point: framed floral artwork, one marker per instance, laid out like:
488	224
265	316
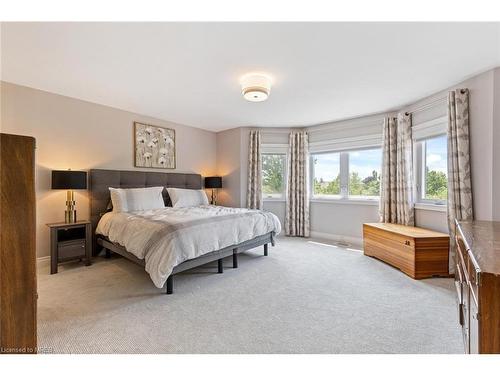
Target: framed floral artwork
154	146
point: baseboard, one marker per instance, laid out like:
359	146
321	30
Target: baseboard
42	260
355	242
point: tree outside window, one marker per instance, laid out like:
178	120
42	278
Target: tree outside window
364	176
435	174
347	174
326	169
273	175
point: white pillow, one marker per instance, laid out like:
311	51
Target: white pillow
187	197
137	199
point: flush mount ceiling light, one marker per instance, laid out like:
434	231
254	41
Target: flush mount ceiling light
255	87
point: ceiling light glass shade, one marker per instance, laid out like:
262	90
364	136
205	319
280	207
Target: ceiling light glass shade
255	87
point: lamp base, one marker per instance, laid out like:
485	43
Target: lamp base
70	216
213	201
70	213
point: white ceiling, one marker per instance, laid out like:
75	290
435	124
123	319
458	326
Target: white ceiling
189	72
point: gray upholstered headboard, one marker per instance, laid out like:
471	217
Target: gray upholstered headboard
101	179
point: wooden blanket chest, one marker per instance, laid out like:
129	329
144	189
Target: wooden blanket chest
418	252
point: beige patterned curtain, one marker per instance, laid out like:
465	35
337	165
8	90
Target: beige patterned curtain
297	195
396	190
254	189
459	171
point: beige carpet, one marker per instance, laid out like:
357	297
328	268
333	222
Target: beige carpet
305	297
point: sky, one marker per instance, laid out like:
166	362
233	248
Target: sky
326	166
364	162
436	151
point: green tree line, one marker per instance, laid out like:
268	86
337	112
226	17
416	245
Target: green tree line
273	181
368	186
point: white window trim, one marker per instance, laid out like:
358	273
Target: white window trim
352	201
274	200
431	207
322	198
276	149
344	196
419	172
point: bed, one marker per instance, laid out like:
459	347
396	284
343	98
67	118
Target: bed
172	240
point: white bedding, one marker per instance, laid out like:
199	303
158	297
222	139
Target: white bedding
169	236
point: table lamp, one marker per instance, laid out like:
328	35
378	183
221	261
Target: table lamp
69	180
213	183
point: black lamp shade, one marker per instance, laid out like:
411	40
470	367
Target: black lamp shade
69	180
213	182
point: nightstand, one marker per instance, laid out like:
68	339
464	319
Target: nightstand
70	241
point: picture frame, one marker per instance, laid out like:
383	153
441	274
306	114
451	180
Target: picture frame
154	146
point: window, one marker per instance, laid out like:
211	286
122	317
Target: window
273	175
432	174
364	173
326	175
349	174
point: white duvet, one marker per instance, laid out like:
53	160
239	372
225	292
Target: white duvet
169	236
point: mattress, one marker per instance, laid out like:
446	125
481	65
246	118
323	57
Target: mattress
166	237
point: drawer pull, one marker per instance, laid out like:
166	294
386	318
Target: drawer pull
407	243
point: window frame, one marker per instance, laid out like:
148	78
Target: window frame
311	177
344	166
281	196
361	197
419	162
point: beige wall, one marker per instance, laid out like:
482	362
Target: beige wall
74	134
229	167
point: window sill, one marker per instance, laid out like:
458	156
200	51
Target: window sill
359	202
362	202
430	207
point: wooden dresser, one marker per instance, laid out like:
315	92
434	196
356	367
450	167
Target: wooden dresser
17	245
418	252
477	279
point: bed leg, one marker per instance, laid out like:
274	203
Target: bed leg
170	284
220	266
108	253
266	252
235	259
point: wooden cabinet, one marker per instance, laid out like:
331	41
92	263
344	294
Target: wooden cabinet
477	263
17	245
418	252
